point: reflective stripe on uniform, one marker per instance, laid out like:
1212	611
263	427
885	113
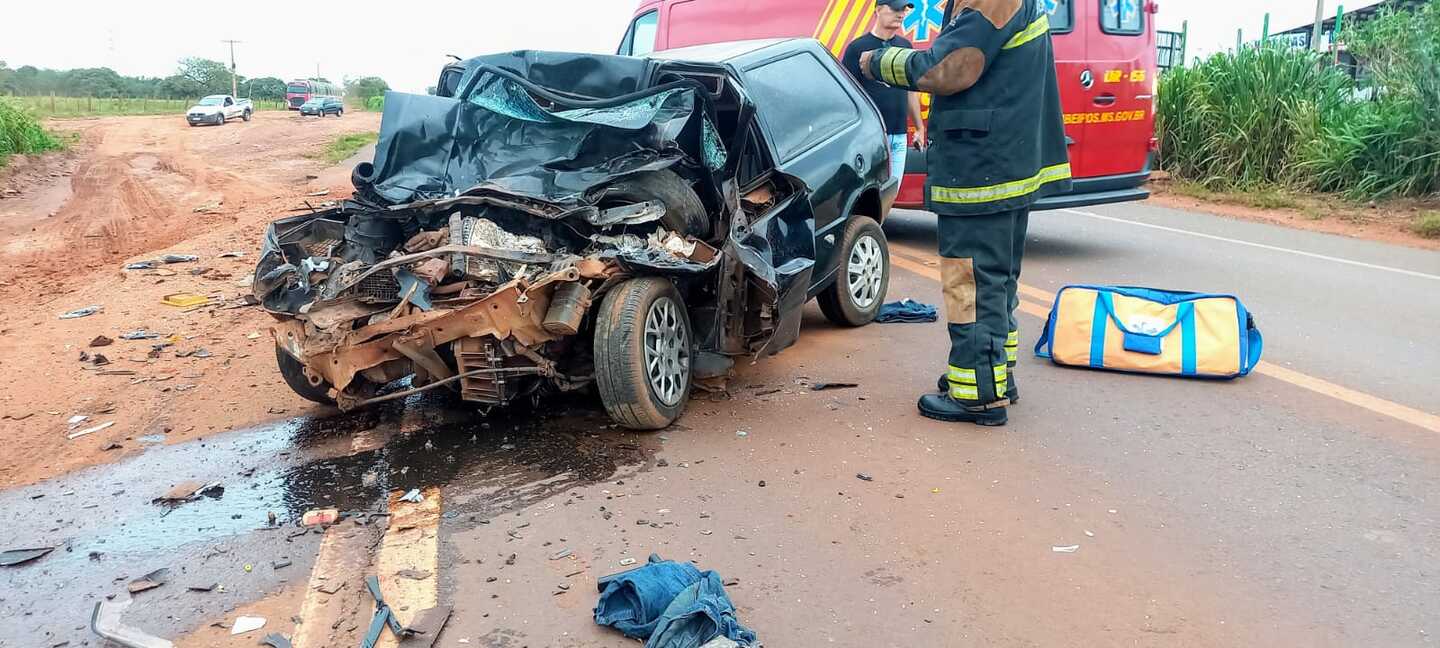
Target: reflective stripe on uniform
962	376
1002	191
1032	32
964	392
892	66
1002	372
1012	347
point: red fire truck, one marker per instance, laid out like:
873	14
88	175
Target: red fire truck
1104	51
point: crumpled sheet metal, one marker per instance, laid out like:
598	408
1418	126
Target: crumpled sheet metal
502	315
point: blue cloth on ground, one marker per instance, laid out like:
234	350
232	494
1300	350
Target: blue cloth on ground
670	604
906	311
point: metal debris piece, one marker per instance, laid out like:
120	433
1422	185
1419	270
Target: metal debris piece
822	386
179	258
202	588
13	557
413	496
102	426
106	622
1066	549
141	265
864	477
188	490
280	564
426	627
563	554
246	624
276	640
139	334
149	581
81	312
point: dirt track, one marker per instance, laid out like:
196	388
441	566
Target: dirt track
135	187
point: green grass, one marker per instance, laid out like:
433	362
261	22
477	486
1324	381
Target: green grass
345	146
21	133
1269	199
1257	198
69	107
1427	224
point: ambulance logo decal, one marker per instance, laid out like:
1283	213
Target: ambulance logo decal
927	14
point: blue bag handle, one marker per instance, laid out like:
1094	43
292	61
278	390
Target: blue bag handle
1180	314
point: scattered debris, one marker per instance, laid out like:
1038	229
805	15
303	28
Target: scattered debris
319	517
742	433
101	341
102	426
383	616
864	477
276	640
234	254
141	265
184	300
1066	549
149	581
112	446
179	258
823	386
246	624
626	562
81	312
1089	534
413	574
426	627
280	564
563	554
413	496
139	334
106	622
203	588
13	557
189	490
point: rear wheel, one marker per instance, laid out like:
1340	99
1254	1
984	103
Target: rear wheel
864	277
309	386
643	353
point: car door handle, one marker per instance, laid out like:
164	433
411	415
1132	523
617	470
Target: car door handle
1105	100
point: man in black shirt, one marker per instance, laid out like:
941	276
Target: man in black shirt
893	102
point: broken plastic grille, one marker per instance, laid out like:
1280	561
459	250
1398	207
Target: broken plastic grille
380	286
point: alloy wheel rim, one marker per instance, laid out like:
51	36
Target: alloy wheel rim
667	351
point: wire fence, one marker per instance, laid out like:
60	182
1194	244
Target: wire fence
56	106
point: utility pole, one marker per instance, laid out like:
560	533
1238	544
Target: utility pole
234	84
1319	19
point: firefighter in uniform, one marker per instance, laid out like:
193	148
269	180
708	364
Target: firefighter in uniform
997	144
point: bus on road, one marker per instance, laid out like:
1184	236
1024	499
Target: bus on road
302	90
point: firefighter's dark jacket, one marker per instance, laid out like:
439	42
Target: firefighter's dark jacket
998	132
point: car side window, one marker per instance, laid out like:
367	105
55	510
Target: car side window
229	101
640	38
1121	17
801	102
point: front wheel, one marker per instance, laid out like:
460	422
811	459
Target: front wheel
864	277
245	116
643	352
221	121
307	385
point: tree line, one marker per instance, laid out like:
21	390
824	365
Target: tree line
194	77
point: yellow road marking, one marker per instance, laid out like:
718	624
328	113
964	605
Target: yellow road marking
412	542
341	566
1418	418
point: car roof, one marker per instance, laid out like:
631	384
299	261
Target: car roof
723	52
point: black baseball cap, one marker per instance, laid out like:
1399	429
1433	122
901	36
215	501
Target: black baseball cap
897	5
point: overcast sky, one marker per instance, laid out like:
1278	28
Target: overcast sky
406	43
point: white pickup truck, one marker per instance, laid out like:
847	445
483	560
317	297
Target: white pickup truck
215	109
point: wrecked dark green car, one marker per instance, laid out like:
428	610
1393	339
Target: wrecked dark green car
565	221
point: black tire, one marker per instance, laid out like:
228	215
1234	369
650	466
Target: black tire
839	302
294	374
684	212
626	388
246	116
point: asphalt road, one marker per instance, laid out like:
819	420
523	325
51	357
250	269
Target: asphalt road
1295	507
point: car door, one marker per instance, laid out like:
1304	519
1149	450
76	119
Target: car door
811	122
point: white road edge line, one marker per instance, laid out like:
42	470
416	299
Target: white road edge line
1262	246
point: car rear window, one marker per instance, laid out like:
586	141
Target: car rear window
640	39
800	101
1121	17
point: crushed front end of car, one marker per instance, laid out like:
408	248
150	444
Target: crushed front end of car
519	239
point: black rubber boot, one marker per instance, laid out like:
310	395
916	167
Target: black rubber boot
943	408
1011	391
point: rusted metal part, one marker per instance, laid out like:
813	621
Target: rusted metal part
347	404
567	309
532	258
514	311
